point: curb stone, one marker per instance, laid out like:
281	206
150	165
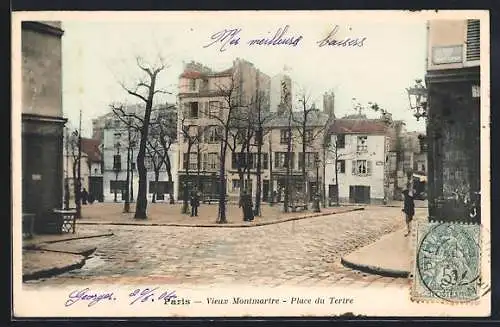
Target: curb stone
54	271
386	272
36	246
221	225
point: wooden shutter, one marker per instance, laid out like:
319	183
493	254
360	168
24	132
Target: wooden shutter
368	167
473	46
353	168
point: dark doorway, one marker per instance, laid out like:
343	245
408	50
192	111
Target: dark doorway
359	194
265	190
96	188
333	193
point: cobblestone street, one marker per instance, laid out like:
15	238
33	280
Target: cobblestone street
304	252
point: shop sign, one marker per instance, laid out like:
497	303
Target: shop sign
447	55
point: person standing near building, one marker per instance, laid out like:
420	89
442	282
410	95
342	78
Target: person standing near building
195	203
408	206
85	196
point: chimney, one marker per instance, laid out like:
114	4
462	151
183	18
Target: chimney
329	104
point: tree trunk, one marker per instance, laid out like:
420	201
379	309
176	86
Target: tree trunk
198	161
75	184
304	176
186	170
142	201
288	164
222	187
258	191
168	168
157	178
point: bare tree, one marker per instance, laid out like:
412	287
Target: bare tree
288	158
156	156
261	117
73	144
145	90
192	135
228	120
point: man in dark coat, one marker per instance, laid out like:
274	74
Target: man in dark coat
195	203
408	206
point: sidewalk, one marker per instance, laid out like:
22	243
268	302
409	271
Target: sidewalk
390	256
49	255
164	214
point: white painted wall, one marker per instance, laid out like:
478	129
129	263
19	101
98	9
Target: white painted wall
375	154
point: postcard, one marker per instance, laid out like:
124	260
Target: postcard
251	164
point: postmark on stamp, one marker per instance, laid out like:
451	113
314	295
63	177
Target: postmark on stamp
447	262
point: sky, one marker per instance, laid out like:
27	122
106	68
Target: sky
99	54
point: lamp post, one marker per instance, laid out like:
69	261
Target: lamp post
317	161
417	95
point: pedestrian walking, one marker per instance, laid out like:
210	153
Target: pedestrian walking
85	196
408	206
195	203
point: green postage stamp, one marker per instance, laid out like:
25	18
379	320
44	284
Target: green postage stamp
447	262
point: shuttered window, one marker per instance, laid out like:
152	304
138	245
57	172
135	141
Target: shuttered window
473	45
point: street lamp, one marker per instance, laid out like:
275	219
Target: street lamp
417	95
317	161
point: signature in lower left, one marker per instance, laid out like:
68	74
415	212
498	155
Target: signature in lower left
87	295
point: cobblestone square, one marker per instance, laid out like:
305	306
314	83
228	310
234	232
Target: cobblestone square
294	253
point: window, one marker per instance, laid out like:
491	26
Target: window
362	144
213	109
284	136
192	84
117	186
210	161
265	161
193	161
117	162
204	85
280	160
161	187
236	184
310	160
240	136
309	135
247	185
193	110
341	166
341	141
213	134
361	167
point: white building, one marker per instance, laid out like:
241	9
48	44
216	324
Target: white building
359	147
115	146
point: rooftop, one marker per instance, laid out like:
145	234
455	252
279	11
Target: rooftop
91	148
358	126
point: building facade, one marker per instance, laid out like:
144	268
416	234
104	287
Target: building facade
453	117
115	147
90	168
358	148
201	97
42	120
